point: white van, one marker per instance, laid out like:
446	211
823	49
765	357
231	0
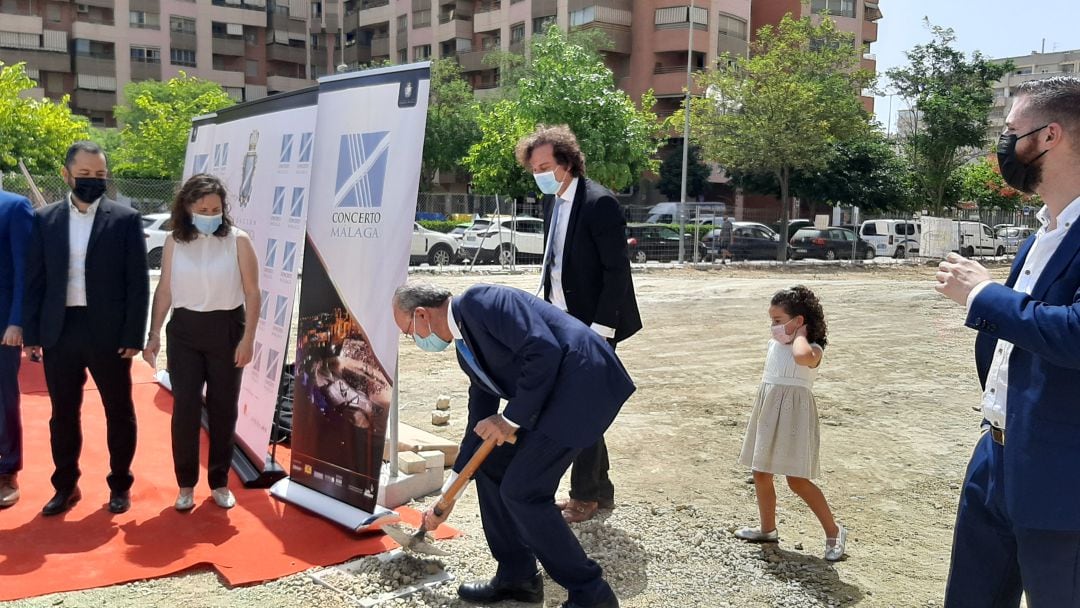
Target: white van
976	239
891	238
702	213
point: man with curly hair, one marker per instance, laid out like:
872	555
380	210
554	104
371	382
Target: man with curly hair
586	273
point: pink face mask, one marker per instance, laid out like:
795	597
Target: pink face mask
779	333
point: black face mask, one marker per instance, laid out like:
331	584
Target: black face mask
1025	177
88	189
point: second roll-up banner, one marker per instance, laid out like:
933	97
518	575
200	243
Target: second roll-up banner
343	162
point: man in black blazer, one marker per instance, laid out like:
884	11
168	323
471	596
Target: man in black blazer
87	297
586	273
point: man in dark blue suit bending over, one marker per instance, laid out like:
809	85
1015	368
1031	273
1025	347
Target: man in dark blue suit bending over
545	364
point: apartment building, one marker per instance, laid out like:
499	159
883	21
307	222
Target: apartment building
858	17
1035	66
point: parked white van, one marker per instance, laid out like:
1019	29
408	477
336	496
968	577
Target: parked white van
977	239
702	213
891	238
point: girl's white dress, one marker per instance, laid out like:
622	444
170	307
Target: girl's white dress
783	437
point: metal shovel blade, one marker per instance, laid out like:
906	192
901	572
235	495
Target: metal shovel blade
413	542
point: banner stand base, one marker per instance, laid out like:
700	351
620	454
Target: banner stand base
250	474
346	515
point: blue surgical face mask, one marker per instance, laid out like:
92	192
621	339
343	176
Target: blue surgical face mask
206	224
547	182
431	343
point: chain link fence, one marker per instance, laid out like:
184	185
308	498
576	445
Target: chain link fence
143	195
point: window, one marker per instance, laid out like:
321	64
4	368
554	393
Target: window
402	22
316	10
517	33
541	23
1068	68
583	16
142	19
181	25
403	56
182	57
835	8
421	18
251	68
729	25
869	229
93	48
314	41
140	54
490	43
421	52
52	12
678	15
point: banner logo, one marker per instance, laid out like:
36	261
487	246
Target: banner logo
288	263
264	304
271	253
306	139
298	197
361	169
286	149
281	313
201	162
279	201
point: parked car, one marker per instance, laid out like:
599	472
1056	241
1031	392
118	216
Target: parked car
1012	236
433	247
659	243
505	240
829	244
703	213
794	226
156	226
892	238
750	241
459	231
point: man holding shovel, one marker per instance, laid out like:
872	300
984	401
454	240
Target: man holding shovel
545	364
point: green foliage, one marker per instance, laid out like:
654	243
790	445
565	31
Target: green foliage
451	121
565	83
442	226
697	174
35	131
157	121
952	97
785	107
981	183
108	139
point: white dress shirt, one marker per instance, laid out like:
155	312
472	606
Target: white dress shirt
995	396
80	225
205	273
557	245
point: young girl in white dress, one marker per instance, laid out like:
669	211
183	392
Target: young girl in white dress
782	437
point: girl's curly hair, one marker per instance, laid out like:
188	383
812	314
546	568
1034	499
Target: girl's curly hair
799	300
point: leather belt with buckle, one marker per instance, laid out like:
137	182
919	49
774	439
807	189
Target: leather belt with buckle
998	435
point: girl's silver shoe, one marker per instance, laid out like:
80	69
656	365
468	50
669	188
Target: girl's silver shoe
835	551
755	535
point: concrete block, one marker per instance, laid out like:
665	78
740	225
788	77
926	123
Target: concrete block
399	490
442	403
411	462
435	459
440	418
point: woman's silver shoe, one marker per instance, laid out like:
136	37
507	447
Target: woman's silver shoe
223	497
835	551
755	535
185	500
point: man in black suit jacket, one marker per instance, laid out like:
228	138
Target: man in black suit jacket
514	346
87	297
586	272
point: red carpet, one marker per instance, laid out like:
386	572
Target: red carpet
259	539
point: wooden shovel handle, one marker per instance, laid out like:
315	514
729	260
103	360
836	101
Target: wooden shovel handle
446	501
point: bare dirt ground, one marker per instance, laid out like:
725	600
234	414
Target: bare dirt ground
895	394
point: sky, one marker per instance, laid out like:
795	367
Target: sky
997	28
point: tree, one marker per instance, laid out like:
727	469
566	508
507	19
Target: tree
951	97
35	131
783	109
697	174
451	121
981	183
156	123
565	83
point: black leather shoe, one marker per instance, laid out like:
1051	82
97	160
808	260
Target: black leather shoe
611	602
119	502
61	502
530	591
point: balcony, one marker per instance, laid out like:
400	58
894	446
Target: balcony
22	24
145	71
869	31
380	46
147	6
873	11
285	83
102	101
667	39
488	17
619	35
730	44
97	66
458	28
374	11
40	59
472	61
99	3
181	40
286	53
670	81
228	46
93	31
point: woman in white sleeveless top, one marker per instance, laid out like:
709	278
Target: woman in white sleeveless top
210	280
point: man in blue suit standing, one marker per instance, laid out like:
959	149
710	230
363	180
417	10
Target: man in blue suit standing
16	223
1018	523
545	364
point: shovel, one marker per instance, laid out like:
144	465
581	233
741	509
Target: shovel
418	542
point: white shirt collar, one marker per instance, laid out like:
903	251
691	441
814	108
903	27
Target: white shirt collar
1065	219
454	329
571	191
91	210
